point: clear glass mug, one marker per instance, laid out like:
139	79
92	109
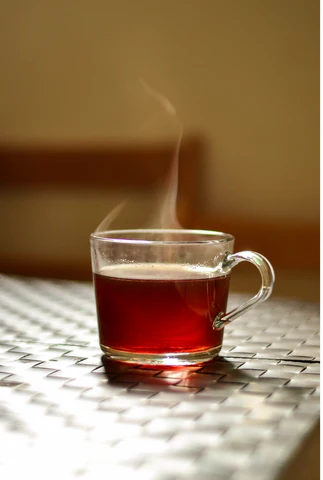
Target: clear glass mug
161	295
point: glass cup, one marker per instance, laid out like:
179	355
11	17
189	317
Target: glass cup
161	295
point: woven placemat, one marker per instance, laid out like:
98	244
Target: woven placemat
67	411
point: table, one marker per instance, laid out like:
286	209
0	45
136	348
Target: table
66	412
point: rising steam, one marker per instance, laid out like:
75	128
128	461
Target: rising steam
167	218
109	219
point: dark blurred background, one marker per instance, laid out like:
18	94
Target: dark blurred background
79	133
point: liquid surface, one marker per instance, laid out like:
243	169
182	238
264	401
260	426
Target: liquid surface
154	308
159	271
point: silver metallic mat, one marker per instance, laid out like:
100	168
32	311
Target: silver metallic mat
66	412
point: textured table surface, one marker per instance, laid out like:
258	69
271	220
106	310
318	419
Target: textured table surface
66	412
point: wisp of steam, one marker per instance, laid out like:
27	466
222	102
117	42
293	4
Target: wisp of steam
167	217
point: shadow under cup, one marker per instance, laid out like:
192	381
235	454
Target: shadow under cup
161	295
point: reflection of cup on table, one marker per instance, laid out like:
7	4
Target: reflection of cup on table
161	295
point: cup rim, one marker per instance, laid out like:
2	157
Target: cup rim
225	237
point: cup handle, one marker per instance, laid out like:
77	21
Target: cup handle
267	276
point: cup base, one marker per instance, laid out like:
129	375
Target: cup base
167	359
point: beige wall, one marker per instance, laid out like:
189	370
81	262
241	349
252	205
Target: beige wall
245	73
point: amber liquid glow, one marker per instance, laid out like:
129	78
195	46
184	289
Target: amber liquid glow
151	308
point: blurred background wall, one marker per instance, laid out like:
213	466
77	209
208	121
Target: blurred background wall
242	74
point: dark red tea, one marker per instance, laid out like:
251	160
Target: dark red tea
159	308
